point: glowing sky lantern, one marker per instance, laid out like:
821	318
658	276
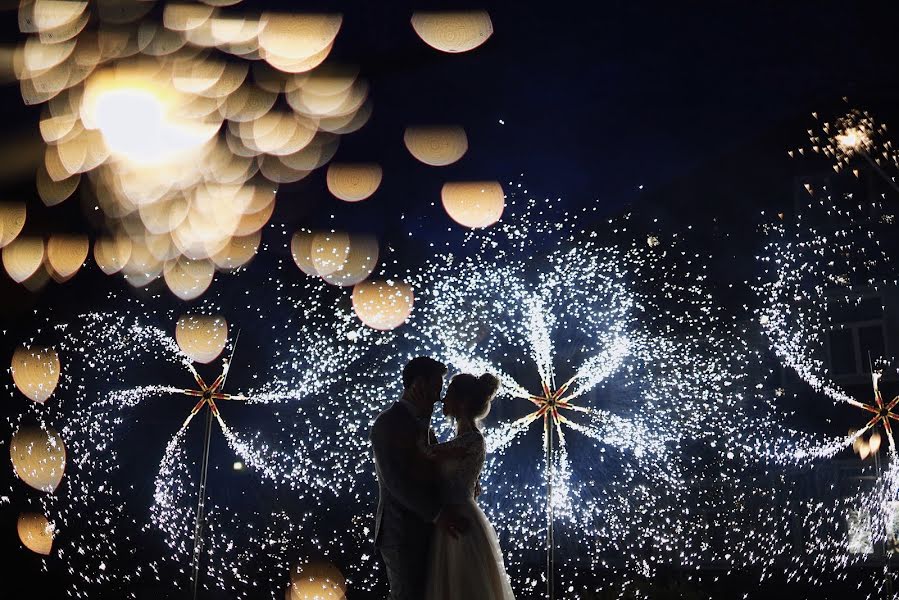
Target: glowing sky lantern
35	371
353	182
453	31
38	457
36	532
436	146
12	220
66	254
383	305
474	204
202	337
23	257
316	581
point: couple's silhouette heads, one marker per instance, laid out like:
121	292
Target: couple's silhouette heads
467	395
470	396
424	376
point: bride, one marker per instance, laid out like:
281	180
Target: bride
469	566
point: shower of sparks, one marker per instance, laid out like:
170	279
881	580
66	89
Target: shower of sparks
619	348
854	139
129	484
826	270
830	268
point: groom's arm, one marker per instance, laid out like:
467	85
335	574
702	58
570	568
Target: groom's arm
395	453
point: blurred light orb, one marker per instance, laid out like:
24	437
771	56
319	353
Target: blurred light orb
53	191
239	251
316	581
874	442
354	182
474	204
339	258
383	305
852	139
201	337
38	457
186	16
864	450
112	254
142	266
301	250
188	279
66	255
36	533
23	257
35	371
330	252
12	220
453	32
296	37
359	263
136	117
41	15
436	146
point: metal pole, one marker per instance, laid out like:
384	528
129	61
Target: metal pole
884	551
201	508
550	516
200	524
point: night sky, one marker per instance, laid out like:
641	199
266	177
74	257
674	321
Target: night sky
588	104
601	105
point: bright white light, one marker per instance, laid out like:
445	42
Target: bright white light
135	125
238	465
851	139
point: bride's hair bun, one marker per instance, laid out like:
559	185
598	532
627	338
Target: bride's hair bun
476	392
489	385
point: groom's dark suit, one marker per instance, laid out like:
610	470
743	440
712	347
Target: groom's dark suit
409	502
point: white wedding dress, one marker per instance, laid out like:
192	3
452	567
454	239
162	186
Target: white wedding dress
469	567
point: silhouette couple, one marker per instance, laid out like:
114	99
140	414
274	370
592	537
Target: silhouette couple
434	539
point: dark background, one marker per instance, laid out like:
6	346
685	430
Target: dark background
678	110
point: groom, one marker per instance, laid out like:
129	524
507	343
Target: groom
409	507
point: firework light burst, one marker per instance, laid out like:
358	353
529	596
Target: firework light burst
126	512
825	272
612	353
